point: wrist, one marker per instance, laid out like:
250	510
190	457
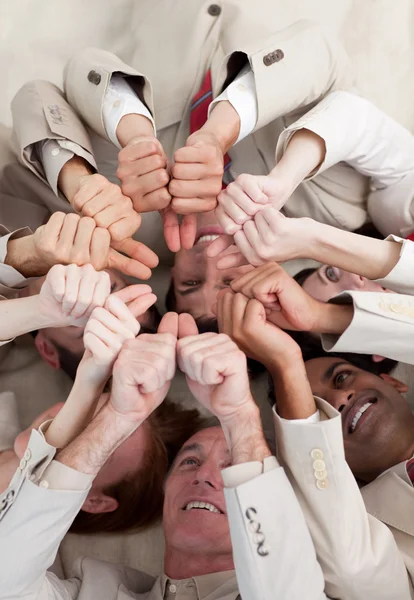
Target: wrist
224	124
71	175
333	318
22	256
244	435
293	394
133	126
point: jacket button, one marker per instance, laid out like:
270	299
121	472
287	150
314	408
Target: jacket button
279	54
317	454
321	474
214	10
322	485
319	465
94	77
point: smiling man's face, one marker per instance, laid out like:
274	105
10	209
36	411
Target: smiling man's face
377	424
194	517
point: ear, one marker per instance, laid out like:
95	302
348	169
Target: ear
399	385
47	350
98	503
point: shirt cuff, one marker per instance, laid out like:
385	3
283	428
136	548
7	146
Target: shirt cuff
315	418
55	154
58	476
239	474
120	100
401	277
241	94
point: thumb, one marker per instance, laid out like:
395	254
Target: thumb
169	324
186	326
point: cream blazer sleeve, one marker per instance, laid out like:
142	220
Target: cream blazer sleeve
273	552
382	324
10	279
40	112
287	75
33	522
358	554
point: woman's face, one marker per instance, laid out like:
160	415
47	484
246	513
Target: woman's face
327	282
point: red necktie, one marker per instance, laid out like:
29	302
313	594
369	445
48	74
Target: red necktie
410	469
199	111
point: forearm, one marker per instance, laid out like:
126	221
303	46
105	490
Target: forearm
224	124
92	448
133	126
76	413
355	253
304	153
22	256
293	394
71	174
21	315
245	437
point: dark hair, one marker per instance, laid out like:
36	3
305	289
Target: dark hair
170	299
69	361
140	496
312	348
302	276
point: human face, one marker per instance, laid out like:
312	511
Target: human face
327	282
197	280
196	477
377	424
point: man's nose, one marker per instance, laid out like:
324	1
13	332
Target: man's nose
209	474
355	282
341	398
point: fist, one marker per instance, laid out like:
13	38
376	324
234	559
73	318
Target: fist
197	174
216	373
70	294
107	205
142	171
144	370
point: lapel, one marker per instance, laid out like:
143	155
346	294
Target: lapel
391	500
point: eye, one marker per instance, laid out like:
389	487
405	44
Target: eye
340	378
191	283
331	274
227	282
189	462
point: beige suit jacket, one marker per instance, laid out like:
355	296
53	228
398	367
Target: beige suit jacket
272	549
286	88
359	555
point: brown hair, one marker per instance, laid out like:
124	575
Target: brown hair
140	497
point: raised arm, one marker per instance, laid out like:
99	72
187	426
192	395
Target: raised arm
59	303
270	538
49	493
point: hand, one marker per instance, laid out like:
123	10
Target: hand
106	204
144	370
269	236
67	239
216	371
109	327
197	174
70	294
143	173
287	305
245	322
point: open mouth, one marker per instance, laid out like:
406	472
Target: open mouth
208	234
203	506
358	415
